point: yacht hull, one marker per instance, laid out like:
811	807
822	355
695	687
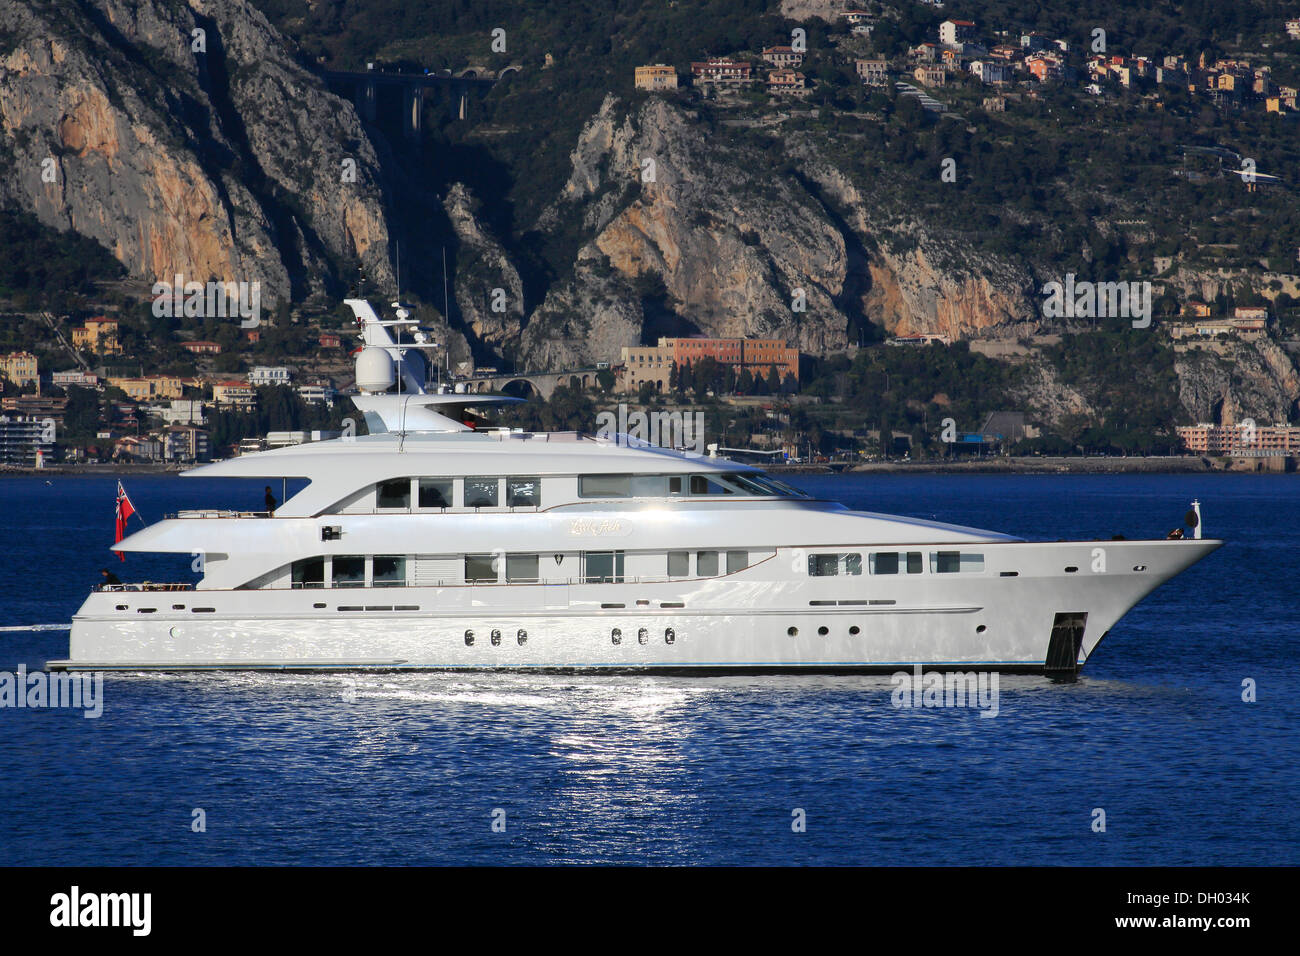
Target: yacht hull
1038	607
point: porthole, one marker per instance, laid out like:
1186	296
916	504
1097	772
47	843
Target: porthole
178	607
496	638
174	631
670	636
469	638
792	631
643	636
522	637
119	607
823	630
855	629
616	636
981	629
1139	567
1071	569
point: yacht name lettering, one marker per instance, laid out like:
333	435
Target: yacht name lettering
597	527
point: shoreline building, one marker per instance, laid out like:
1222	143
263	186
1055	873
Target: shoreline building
654	363
1241	440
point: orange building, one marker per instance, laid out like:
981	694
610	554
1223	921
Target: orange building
1240	439
758	355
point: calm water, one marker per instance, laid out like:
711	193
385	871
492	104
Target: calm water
674	770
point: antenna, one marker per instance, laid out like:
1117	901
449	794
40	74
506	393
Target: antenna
446	302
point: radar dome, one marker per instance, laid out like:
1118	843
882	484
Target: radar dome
374	370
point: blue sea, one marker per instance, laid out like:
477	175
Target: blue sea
416	769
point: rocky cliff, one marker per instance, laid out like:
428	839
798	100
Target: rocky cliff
185	138
738	253
1239	380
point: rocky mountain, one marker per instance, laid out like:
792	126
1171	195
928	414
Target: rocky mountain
1226	384
185	138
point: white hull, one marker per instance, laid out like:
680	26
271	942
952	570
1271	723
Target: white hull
739	621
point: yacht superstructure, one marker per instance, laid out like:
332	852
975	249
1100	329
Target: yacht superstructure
432	544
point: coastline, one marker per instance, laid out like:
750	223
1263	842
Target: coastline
1030	465
1043	465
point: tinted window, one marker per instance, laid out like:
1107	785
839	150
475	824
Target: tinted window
394	494
521	567
737	561
435	492
604	486
389	570
523	492
884	562
482	492
679	564
823	565
309	573
945	562
349	571
706	563
914	565
480	568
603	566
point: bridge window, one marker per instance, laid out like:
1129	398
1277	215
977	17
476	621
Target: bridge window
884	562
523	492
894	562
603	567
394	494
708	485
823	565
706	563
521	567
389	571
679	564
349	571
951	562
737	561
480	569
309	573
435	492
605	486
482	492
830	565
700	485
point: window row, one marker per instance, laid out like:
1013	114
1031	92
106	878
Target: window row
475	492
487	491
595	567
894	562
672	486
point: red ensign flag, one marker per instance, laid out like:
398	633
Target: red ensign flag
124	511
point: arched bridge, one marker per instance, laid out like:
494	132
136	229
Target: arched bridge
543	383
365	89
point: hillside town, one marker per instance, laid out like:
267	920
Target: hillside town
1001	59
152	417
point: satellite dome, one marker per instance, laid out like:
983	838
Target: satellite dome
375	370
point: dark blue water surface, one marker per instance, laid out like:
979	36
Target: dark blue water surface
596	769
